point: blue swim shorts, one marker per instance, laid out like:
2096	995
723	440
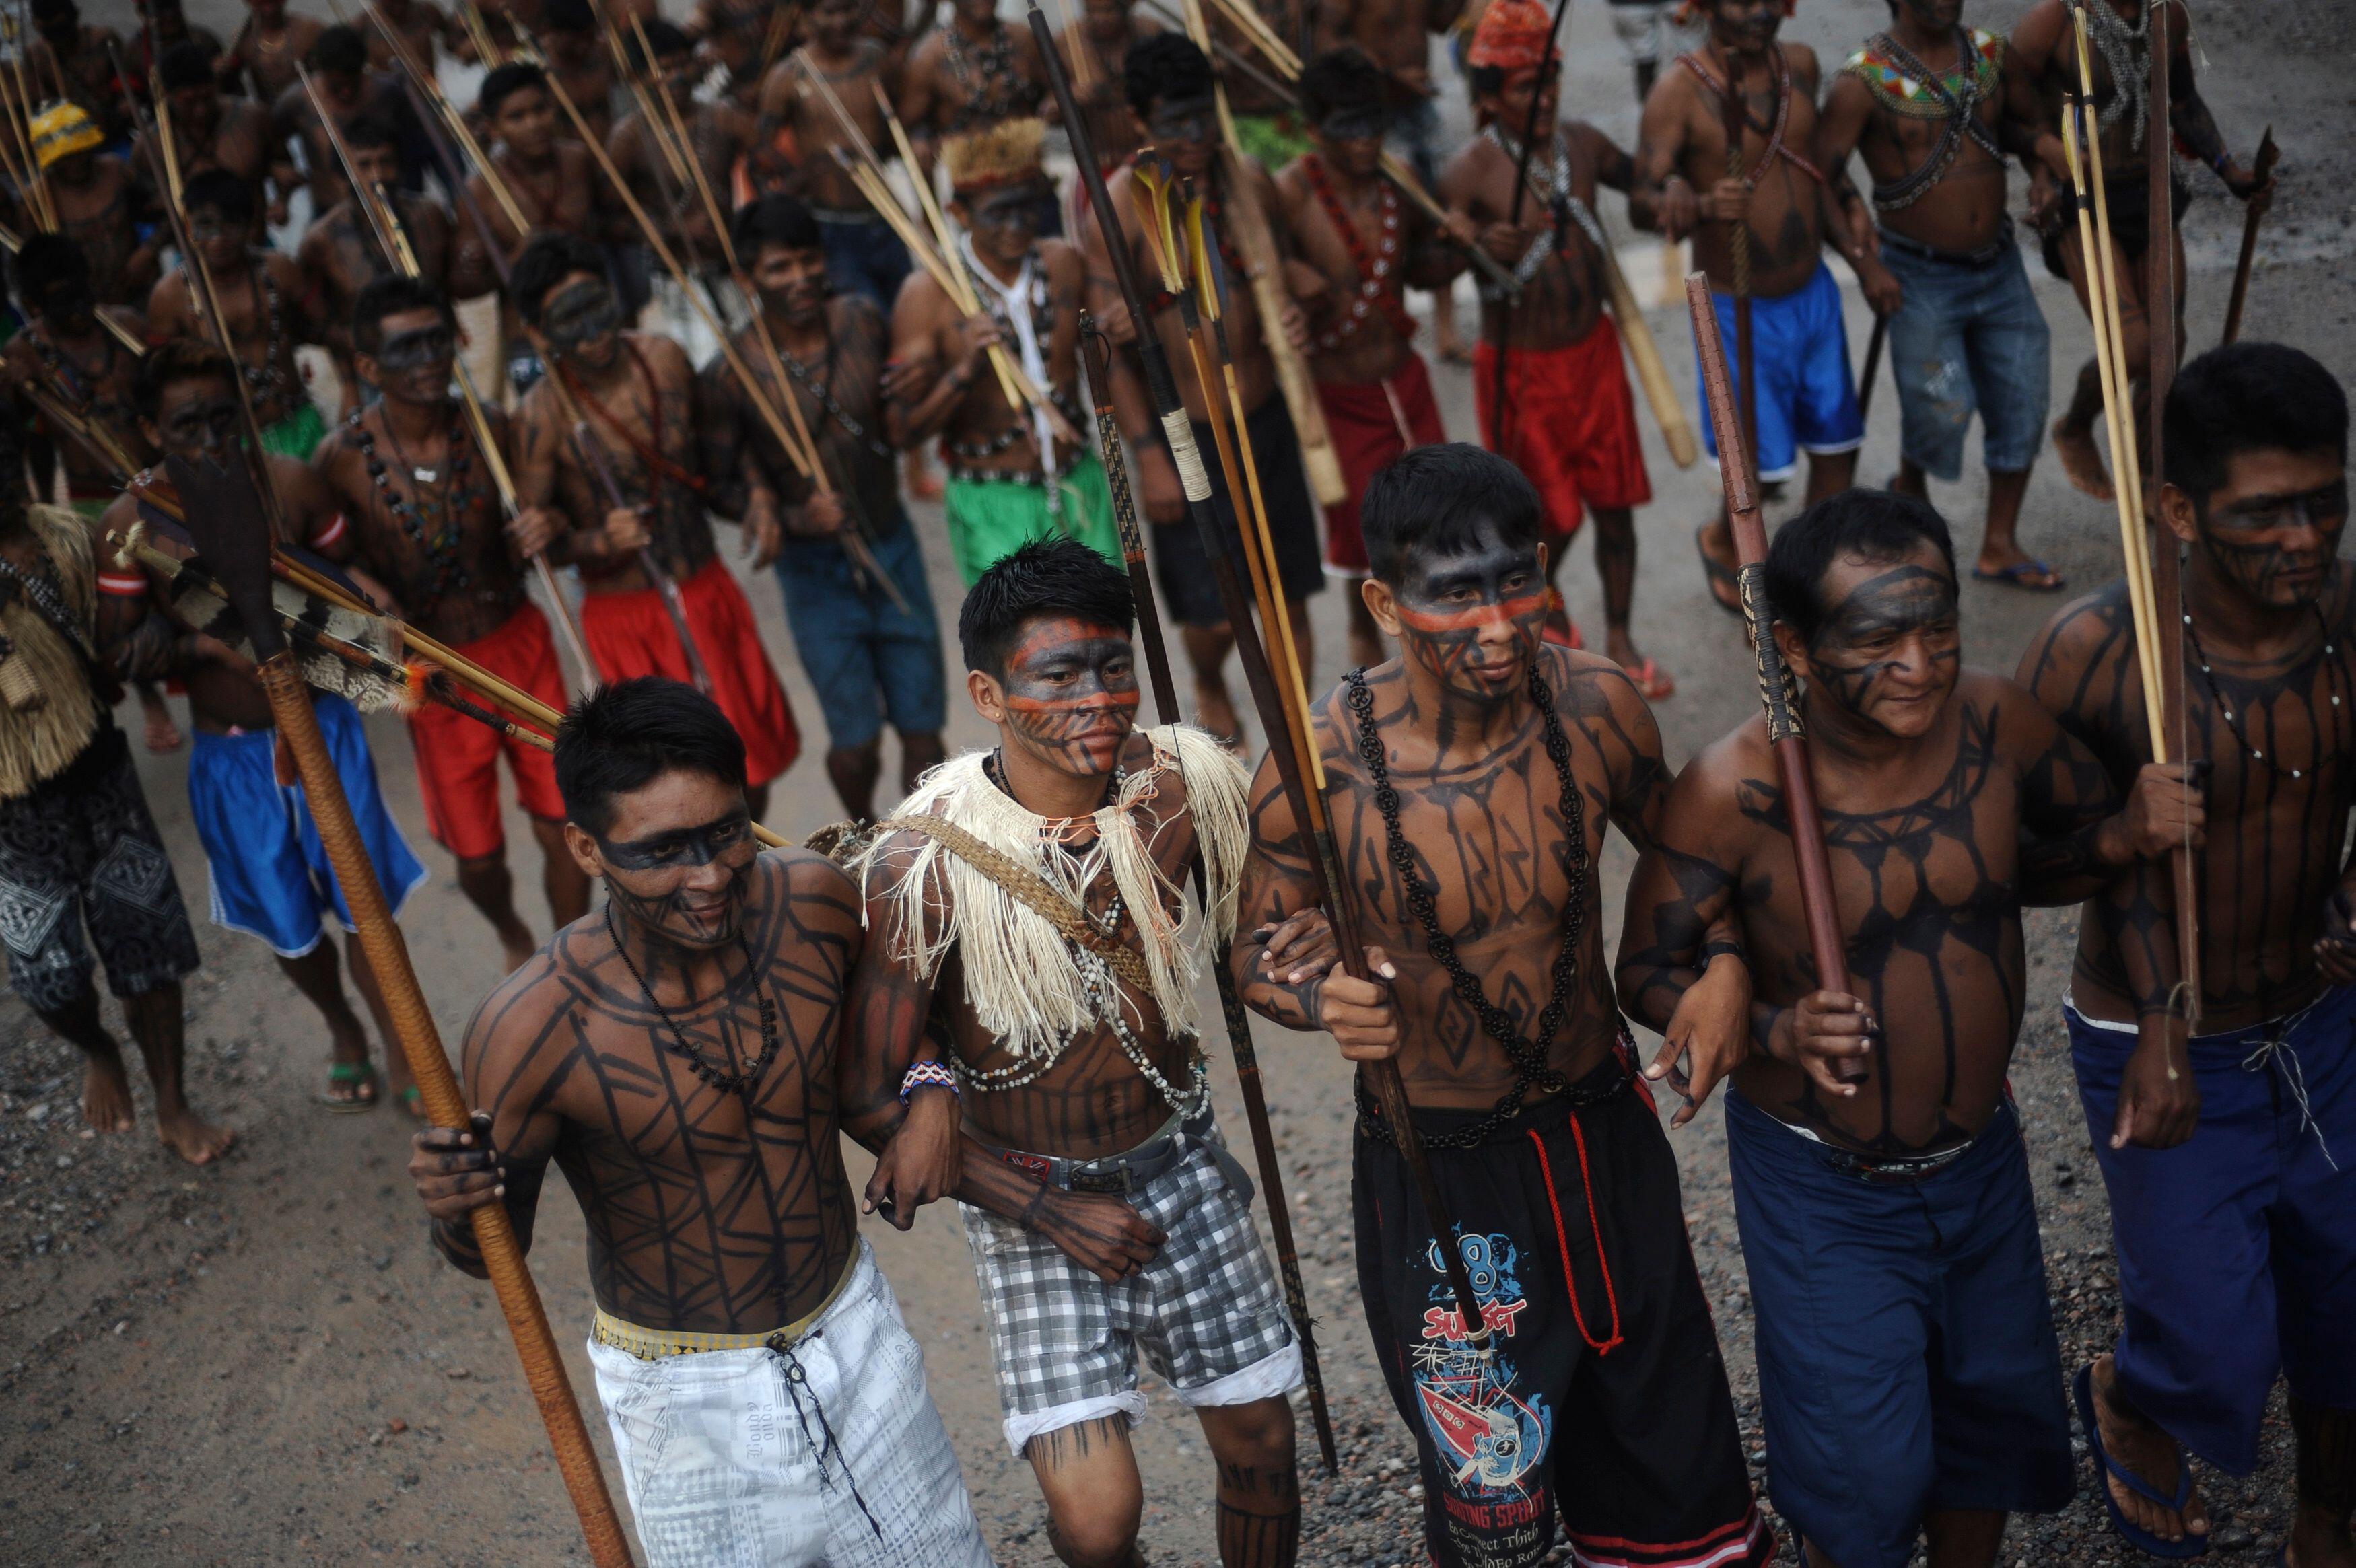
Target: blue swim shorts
270	872
2237	1248
1907	1357
869	662
1967	337
1807	399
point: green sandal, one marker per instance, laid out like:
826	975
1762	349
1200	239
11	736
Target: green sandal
362	1075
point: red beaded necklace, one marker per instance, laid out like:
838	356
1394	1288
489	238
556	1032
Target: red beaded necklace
1378	279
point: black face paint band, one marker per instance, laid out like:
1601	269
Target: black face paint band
688	847
416	350
581	315
1352	125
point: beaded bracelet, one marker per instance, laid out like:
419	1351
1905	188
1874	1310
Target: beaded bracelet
924	1072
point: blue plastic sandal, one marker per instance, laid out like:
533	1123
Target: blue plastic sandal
2134	1534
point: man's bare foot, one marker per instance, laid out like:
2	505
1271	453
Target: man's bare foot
159	733
106	1096
1215	711
2143	1449
2081	460
193	1139
2318	1541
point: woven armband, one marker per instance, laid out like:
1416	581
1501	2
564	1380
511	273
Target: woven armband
924	1072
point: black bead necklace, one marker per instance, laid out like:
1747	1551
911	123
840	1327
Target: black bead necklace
744	1081
440	547
1528	1055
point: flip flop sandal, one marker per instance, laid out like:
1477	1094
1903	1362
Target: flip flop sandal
1653	682
2142	1540
2010	577
362	1075
412	1099
1558	628
1716	574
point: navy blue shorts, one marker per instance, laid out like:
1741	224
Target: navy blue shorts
1907	1357
865	257
868	661
2237	1249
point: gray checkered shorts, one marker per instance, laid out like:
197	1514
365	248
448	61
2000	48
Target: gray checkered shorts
1205	1314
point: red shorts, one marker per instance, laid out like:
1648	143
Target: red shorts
1366	438
630	634
458	758
1574	424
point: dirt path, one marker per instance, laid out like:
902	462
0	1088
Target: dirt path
262	1363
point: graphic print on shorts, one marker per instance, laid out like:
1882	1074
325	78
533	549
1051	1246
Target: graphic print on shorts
1488	1437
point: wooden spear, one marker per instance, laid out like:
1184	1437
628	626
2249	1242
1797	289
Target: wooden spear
225	519
1784	731
1736	118
2254	213
1308	803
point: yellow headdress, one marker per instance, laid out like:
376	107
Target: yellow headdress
61	130
1006	153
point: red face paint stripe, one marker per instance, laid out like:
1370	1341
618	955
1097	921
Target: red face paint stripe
1479	615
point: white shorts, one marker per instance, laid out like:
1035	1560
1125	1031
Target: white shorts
829	1451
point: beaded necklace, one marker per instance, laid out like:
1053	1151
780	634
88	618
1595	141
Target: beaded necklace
744	1080
1379	284
993	100
1527	1055
265	379
1957	109
2225	710
2126	48
441	547
652	456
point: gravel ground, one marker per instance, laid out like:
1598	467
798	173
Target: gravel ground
262	1363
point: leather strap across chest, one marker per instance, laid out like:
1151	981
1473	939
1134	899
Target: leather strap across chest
1777	147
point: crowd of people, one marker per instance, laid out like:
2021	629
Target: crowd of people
684	307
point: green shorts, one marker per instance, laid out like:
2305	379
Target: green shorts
991	518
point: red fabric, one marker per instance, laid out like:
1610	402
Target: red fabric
458	757
1366	439
630	634
1513	33
1574	430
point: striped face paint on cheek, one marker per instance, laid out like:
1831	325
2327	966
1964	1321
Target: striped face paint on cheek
1473	618
1071	693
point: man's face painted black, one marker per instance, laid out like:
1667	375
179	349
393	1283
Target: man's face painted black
1890	646
679	858
1183	131
198	418
412	362
2273	527
1070	694
1004	222
582	320
1472	618
65	304
1351	138
1747	26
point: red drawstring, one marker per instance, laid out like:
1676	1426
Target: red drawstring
1571	1282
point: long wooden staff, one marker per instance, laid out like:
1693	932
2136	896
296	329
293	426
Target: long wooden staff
1874	344
1736	117
2254	213
2162	548
1308	803
384	223
1785	731
1499	400
1265	271
1231	1007
226	520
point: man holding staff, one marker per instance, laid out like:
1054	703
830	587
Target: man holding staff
681	1059
863	255
1567	420
2044	50
1931	1402
424	518
1011	478
623	406
1173	109
341	255
2237	1250
1760	235
1473	780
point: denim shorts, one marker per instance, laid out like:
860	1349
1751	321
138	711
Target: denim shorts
868	661
1967	337
865	257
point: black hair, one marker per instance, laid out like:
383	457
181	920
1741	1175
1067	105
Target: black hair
1481	80
775	220
568	16
394	295
2249	396
625	736
664	38
1872	525
222	191
504	83
339	48
1435	498
170	363
1341	80
547	261
1166	66
46	260
371	131
185	64
1045	577
54	7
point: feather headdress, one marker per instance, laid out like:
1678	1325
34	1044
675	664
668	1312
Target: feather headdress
1017	968
1006	153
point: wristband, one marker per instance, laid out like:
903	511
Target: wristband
923	1073
1719	949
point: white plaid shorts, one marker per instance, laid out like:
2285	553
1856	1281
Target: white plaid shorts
829	1455
1205	1314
